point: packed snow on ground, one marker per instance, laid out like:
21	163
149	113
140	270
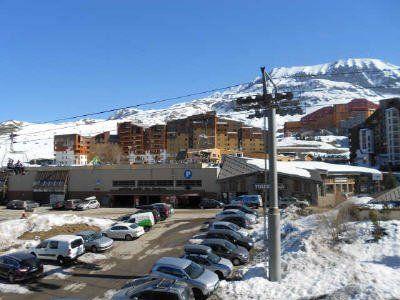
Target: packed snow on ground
314	266
12	229
12	288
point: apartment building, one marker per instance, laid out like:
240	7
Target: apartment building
71	149
142	144
376	142
252	141
339	118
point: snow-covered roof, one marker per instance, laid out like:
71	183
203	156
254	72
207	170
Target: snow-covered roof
303	168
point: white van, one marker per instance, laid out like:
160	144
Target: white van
62	248
144	219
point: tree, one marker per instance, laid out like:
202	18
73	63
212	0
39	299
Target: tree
107	153
390	181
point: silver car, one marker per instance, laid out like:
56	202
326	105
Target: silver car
226	225
202	281
95	241
236	212
203	255
126	231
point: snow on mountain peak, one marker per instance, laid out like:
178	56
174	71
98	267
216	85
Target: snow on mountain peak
315	86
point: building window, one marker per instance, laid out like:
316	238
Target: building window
155	183
189	183
124	183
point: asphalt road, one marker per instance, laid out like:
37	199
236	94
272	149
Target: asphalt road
125	261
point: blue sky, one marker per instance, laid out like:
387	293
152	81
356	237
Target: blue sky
59	58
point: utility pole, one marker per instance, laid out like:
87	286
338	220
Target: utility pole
267	105
266	142
274	228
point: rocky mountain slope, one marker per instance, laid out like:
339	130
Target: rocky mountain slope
315	86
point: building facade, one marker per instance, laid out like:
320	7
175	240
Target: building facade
339	118
321	184
71	149
376	142
119	185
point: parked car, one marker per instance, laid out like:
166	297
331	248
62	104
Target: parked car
243	208
72	203
163	208
241	221
127	231
62	248
254	201
227	225
202	281
236	212
94	241
91	203
232	236
236	254
210	203
156	214
203	255
169	206
153	288
22	204
57	201
19	266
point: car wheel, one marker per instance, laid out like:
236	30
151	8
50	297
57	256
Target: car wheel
11	278
93	249
147	228
104	234
60	260
236	262
220	275
33	253
128	237
202	207
198	295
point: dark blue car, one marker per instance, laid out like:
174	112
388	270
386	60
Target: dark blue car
20	266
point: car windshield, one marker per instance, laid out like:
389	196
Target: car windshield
194	270
213	257
133	226
230	246
95	236
234	227
29	262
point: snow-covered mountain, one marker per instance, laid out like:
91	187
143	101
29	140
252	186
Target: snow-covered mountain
315	86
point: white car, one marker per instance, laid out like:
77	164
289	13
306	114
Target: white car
126	231
88	204
233	212
62	248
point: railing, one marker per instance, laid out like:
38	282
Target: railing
391	195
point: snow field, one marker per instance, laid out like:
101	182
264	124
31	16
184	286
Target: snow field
313	266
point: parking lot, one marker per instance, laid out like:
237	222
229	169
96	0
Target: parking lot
97	275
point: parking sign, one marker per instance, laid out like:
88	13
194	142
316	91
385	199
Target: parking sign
187	174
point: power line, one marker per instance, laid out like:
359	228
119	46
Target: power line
137	105
205	92
178	108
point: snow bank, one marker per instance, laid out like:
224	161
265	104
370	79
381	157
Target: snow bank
11	230
313	266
